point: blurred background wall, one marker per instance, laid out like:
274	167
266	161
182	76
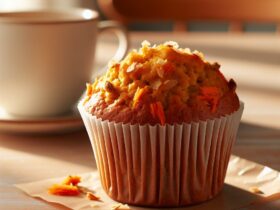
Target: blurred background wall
7	5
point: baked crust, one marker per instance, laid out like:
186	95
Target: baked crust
161	84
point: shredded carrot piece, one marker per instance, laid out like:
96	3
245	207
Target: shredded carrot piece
64	189
139	92
89	89
215	105
152	109
211	95
72	180
68	187
158	112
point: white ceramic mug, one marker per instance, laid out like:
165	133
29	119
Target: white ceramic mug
46	57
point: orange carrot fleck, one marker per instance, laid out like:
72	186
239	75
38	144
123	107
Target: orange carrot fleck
158	112
152	108
139	94
89	89
72	180
64	189
68	187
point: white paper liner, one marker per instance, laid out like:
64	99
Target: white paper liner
171	165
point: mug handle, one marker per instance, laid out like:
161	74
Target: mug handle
121	33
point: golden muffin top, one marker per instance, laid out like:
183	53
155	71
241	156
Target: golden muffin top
161	77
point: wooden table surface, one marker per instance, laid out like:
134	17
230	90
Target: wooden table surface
252	60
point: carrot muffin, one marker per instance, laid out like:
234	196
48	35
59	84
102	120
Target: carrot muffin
161	84
162	123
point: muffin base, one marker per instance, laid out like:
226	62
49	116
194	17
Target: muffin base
162	166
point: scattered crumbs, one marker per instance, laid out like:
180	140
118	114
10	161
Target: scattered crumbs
120	206
92	197
256	190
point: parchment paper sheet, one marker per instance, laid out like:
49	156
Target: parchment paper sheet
241	176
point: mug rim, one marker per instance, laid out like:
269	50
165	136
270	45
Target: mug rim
49	16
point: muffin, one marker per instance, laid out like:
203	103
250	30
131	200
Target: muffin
162	123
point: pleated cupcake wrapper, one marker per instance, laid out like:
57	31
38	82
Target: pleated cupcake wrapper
171	165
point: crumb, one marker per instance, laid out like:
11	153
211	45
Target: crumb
256	190
115	206
94	205
92	197
63	189
120	206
